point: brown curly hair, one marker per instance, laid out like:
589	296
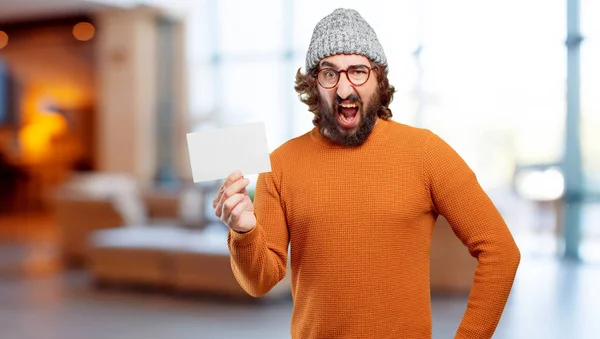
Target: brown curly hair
308	92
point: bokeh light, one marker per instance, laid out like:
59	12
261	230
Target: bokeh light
84	31
3	39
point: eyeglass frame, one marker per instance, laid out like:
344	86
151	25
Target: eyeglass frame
316	75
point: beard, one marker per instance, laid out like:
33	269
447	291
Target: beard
329	126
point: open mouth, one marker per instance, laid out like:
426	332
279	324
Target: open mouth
348	114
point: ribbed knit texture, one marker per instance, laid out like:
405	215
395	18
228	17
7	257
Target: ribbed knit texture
359	222
344	31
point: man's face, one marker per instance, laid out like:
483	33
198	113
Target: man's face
349	111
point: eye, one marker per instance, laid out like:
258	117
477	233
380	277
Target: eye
360	71
329	74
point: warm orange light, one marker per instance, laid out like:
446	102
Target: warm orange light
84	31
3	39
42	127
36	137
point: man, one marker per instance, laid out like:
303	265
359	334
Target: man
357	199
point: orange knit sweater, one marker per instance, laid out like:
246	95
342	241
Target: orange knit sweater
359	224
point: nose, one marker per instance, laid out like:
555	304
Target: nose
344	88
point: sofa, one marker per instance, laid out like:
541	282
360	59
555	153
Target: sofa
124	234
170	258
97	201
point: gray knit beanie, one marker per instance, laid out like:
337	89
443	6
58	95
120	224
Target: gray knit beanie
343	32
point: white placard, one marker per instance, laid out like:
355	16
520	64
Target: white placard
214	154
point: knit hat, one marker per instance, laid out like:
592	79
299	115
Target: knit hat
343	32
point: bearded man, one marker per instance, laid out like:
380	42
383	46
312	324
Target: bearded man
356	199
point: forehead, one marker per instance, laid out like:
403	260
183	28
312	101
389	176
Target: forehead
344	60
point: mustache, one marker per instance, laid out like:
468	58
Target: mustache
352	97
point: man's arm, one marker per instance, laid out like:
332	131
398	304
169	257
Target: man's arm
259	250
457	195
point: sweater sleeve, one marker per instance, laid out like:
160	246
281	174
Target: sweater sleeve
457	195
259	257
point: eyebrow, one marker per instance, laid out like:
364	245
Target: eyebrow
334	66
328	64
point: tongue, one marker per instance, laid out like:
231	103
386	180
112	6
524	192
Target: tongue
349	112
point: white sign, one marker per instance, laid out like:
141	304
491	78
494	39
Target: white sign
214	154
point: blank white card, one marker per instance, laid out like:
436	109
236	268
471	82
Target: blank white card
214	154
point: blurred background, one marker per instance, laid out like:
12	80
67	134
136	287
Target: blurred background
103	234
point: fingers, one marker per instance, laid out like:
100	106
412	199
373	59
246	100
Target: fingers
232	209
236	213
225	205
233	177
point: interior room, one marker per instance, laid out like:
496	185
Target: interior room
105	234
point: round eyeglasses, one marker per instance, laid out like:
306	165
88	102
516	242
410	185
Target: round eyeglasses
357	75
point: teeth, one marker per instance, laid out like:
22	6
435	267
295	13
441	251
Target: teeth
343	117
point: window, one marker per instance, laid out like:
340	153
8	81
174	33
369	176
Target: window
590	102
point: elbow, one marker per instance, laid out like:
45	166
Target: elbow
517	258
257	292
505	254
258	286
512	256
258	279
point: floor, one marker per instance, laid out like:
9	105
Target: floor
551	299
